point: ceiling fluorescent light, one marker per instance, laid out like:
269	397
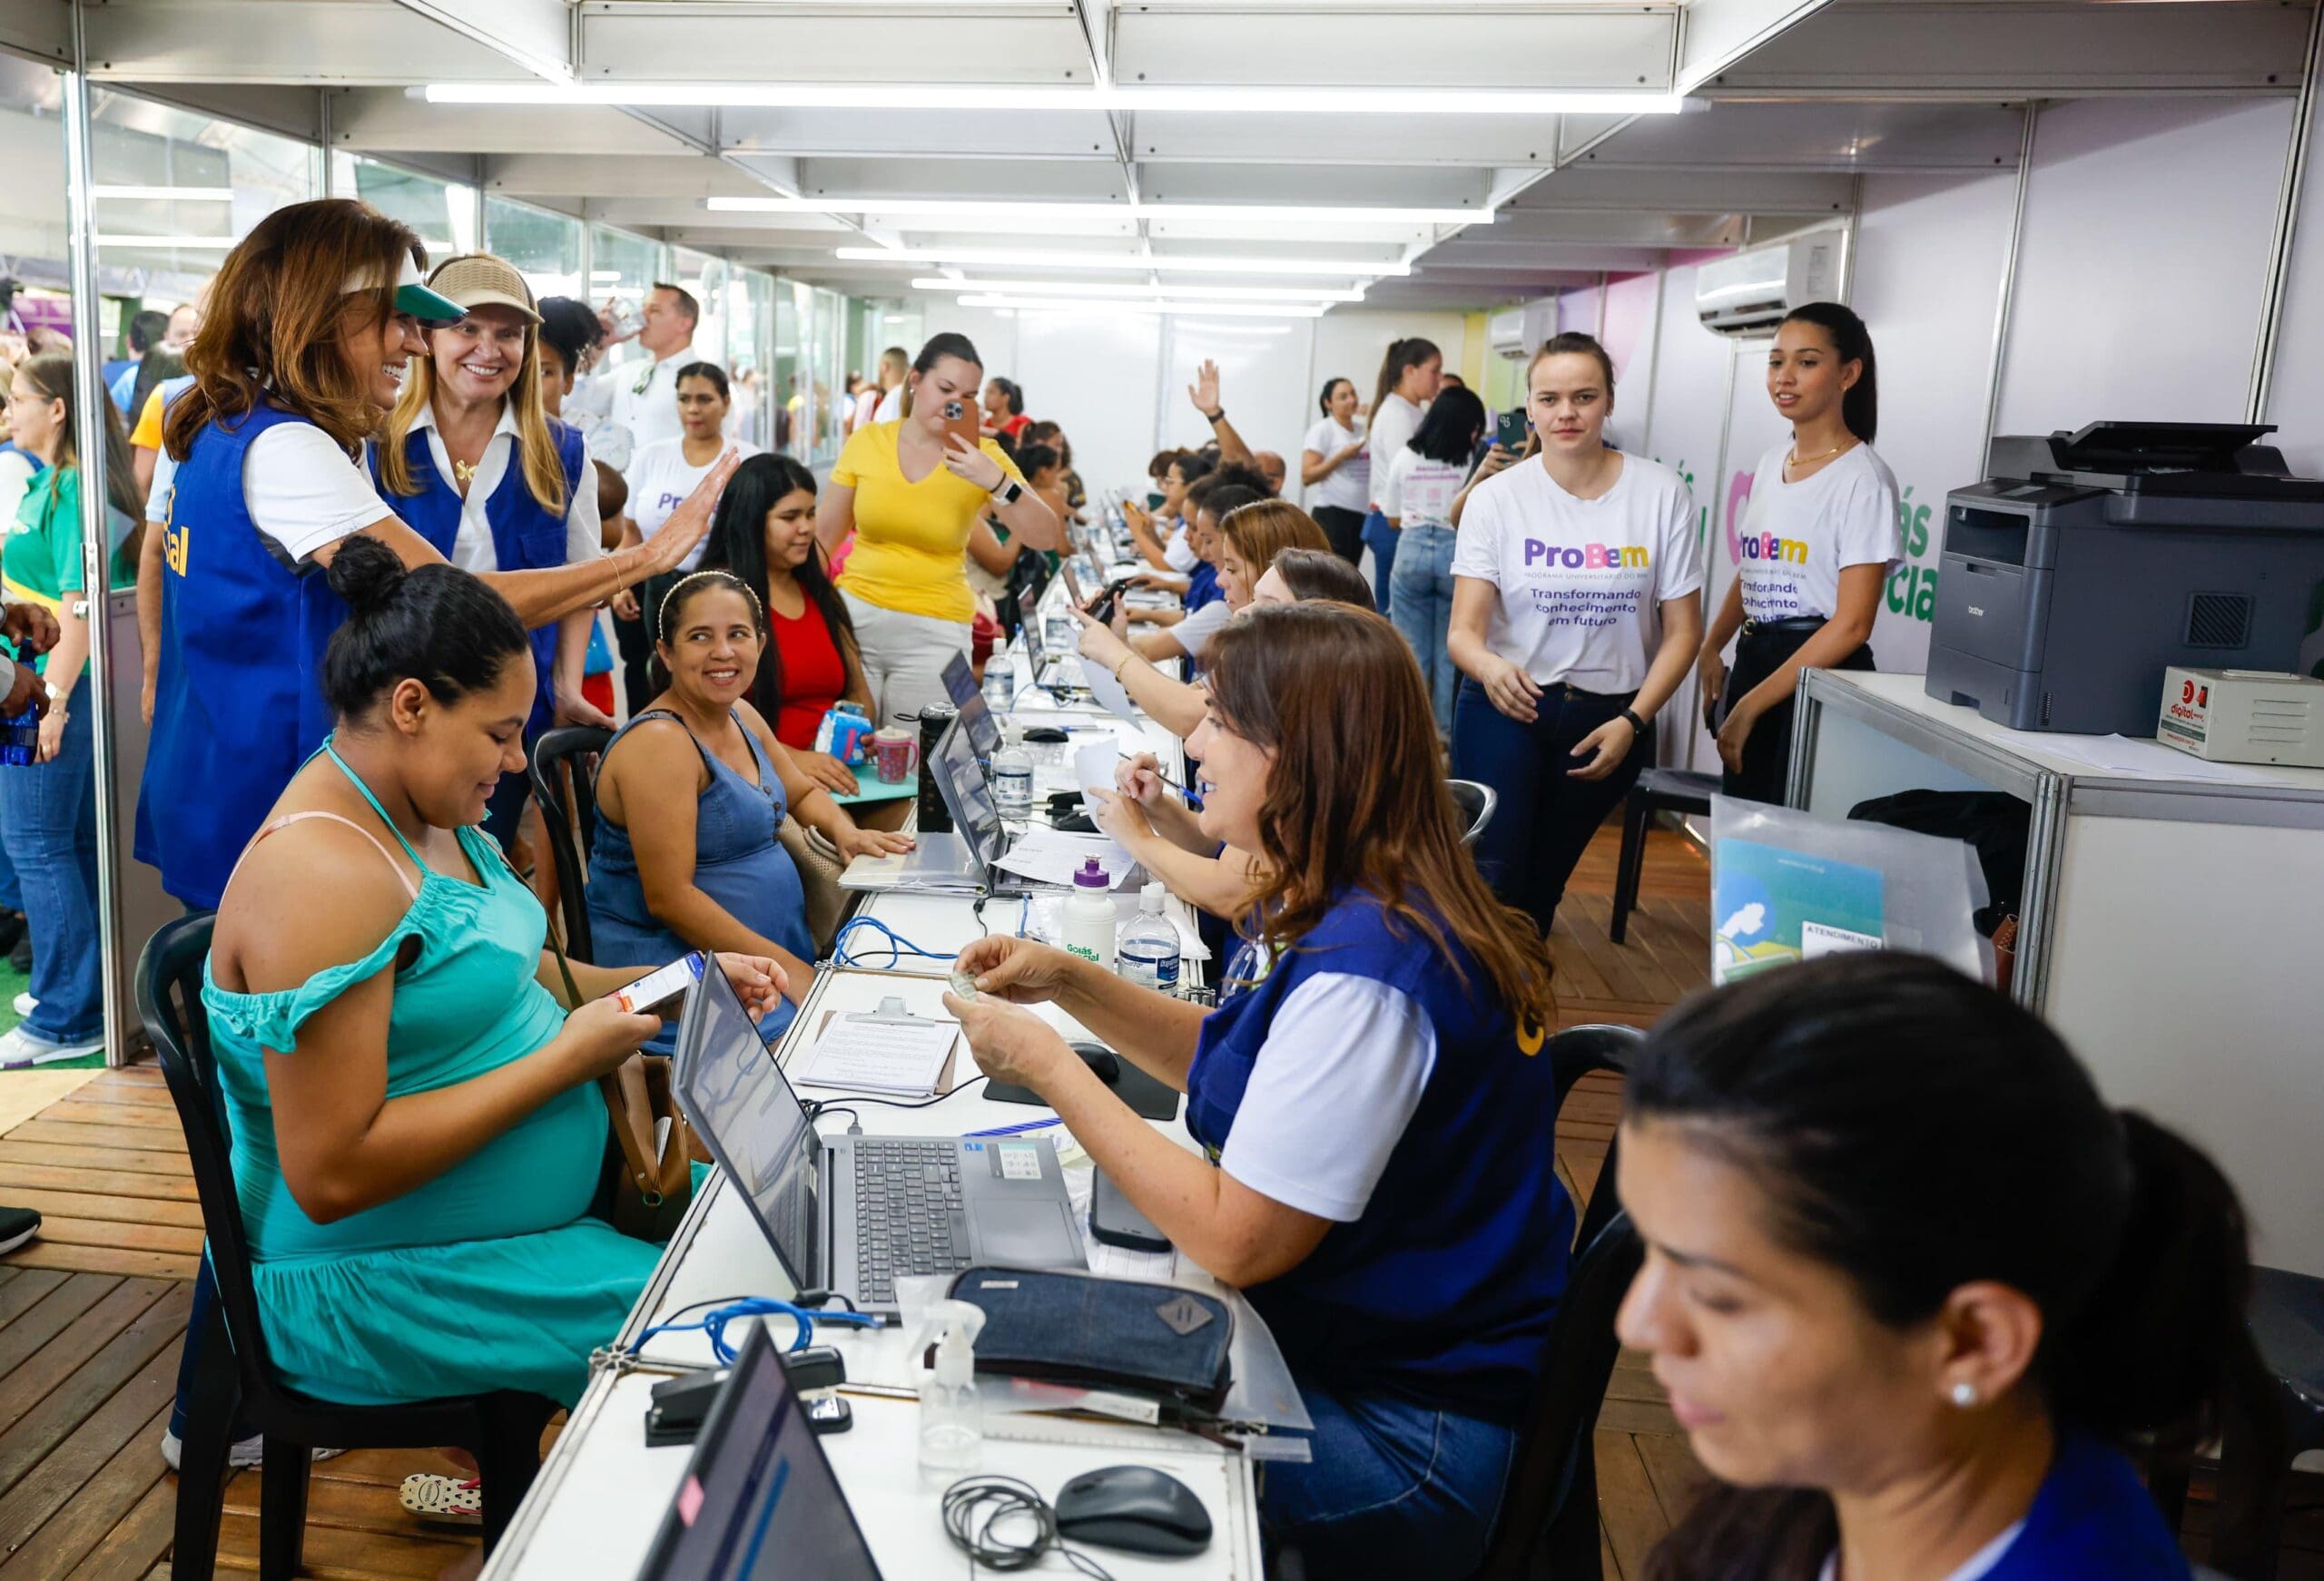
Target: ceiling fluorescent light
1014	96
167	194
1124	263
1139	289
1216	309
1002	209
111	240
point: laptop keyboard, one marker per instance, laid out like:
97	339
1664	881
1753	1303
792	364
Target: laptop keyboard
908	1216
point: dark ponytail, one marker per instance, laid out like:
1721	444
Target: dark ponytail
938	348
1916	1130
1860	407
1402	355
435	625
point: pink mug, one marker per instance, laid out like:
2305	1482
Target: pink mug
893	751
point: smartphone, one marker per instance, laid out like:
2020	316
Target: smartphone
1101	608
657	988
1509	431
962	418
1116	1223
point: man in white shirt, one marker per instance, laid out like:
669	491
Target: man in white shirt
646	396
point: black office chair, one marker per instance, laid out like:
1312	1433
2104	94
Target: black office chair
1476	801
1573	1054
234	1379
1658	790
564	783
1549	1515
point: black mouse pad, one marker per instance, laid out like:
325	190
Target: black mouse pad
1148	1098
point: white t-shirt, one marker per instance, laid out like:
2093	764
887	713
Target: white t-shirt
303	493
1419	492
645	399
660	478
1798	538
1393	427
1337	1080
1194	632
1349	488
16	472
1179	554
891	406
472	546
1582	580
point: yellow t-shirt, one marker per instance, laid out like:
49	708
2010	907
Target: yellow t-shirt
148	432
911	539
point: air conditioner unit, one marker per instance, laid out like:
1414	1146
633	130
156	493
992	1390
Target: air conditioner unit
1518	332
1750	292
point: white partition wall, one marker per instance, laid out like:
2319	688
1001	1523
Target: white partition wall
1263	371
2143	261
1092	372
2296	392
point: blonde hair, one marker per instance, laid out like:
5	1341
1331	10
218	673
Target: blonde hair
536	445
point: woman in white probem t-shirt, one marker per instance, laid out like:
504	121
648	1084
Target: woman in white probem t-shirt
1817	540
1337	471
1577	607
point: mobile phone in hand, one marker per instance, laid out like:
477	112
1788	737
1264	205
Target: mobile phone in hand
1509	431
1101	608
657	988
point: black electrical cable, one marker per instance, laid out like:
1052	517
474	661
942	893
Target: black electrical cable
842	1100
975	1506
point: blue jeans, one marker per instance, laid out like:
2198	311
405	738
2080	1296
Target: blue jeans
12	898
1546	817
1394	1490
48	817
1421	605
1381	539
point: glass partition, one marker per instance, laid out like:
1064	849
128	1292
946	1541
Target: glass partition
545	247
792	312
750	353
623	267
443	212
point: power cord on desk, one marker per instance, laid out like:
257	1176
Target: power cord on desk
974	1505
897	944
840	1102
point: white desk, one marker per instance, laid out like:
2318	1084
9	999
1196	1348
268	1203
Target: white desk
2167	928
602	1493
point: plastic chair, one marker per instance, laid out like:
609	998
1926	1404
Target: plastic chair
567	788
1656	790
1476	801
234	1377
1573	1054
1549	1515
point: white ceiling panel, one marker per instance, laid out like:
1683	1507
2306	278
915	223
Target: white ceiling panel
1214	42
1167	136
1091	178
919	132
281	41
383	120
1821	135
827	41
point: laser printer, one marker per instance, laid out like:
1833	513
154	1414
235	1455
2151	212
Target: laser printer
2086	563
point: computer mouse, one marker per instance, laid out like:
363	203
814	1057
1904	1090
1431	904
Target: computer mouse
1133	1508
1103	1063
1049	733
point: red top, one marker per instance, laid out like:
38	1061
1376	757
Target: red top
1016	426
814	675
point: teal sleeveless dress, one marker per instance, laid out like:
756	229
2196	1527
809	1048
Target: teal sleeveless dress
491	1275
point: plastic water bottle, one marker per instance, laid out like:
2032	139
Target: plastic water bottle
1147	946
20	739
999	683
1012	775
1090	916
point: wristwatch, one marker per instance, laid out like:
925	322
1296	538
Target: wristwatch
55	698
1637	723
1215	419
1009	492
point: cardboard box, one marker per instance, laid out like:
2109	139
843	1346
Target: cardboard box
2243	716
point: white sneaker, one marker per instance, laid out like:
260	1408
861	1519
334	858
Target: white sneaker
26	1004
19	1047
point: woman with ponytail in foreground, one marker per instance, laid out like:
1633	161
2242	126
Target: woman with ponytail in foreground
1913	1287
417	1132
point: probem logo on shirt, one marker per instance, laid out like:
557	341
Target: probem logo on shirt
1593	605
1769	548
1587	556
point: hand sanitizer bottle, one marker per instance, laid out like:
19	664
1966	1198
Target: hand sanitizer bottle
951	1417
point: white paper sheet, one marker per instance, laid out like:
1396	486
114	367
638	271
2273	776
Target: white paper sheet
880	1056
1048	856
2131	758
1108	691
1093	765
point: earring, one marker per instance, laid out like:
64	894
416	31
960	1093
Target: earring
1965	1395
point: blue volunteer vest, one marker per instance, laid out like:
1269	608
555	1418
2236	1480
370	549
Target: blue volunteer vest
237	703
525	536
1202	586
1443	1291
2092	1517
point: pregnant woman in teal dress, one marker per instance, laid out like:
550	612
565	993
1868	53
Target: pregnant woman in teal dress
417	1133
690	796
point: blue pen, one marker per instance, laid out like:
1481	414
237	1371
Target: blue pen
1018	1129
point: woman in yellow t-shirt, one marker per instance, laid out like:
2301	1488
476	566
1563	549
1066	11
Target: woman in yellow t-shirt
911	495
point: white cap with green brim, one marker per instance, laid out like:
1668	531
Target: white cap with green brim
413	293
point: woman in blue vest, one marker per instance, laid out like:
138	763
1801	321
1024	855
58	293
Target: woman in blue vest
1913	1286
1368	1088
474	465
300	359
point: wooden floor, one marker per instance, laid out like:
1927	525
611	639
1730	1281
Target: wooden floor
93	1314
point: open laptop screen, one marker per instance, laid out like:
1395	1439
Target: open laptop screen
738	1098
759	1501
1028	628
960	686
967	796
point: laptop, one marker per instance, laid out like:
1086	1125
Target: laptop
759	1501
853	1214
968	702
956	861
1044	668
